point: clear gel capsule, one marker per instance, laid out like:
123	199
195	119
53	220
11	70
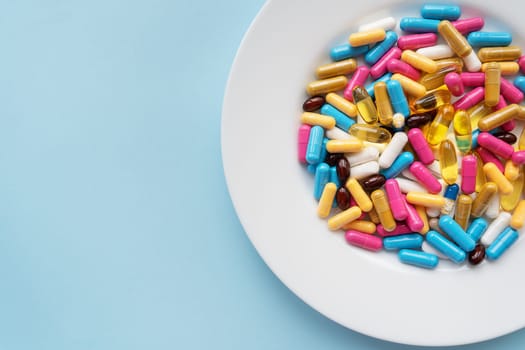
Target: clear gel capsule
438	129
462	130
431	101
365	106
448	162
370	133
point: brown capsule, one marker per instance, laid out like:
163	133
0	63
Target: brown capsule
332	158
373	182
343	170
342	197
418	120
313	103
507	137
477	255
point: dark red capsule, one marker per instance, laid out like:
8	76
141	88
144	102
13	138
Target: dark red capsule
343	170
373	182
332	158
342	197
313	103
477	255
507	137
418	120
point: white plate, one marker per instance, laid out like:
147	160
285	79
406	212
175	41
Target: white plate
371	293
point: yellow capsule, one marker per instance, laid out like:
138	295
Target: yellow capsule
365	106
462	130
334	69
419	61
370	133
339	220
373	216
324	86
425	199
521	114
495	54
448	162
383	210
499	117
325	121
521	141
463	208
361	226
518	217
438	129
493	174
492	79
477	112
480	204
327	199
434	80
367	37
481	179
455	62
360	196
410	87
422	212
342	104
506	68
457	42
384	107
512	171
431	101
510	201
344	146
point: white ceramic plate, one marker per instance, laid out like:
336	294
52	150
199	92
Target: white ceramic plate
371	293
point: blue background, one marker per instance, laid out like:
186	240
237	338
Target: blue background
117	231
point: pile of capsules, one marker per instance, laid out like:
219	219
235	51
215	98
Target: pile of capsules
387	170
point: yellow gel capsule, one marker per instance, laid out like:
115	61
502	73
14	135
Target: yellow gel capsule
373	216
509	201
324	86
492	84
512	171
457	42
410	87
463	208
506	68
521	141
494	54
383	210
480	204
477	112
425	199
493	174
384	107
361	226
455	62
438	129
448	162
342	104
481	179
367	37
518	217
462	130
344	146
431	101
365	106
318	119
419	61
360	196
499	117
434	80
339	220
422	212
370	133
327	199
343	67
521	114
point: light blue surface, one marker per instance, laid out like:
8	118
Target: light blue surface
117	228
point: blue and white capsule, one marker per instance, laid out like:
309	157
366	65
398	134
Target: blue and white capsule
418	25
418	258
402	162
477	228
379	49
397	97
342	121
322	177
315	145
344	51
408	241
456	232
441	11
484	39
445	246
503	242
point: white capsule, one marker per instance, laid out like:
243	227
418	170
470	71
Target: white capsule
436	52
388	23
472	62
408	174
495	228
367	155
364	169
493	207
433	212
409	186
398	120
435	169
393	149
338	134
427	248
379	146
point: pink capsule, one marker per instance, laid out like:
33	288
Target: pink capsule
425	177
454	84
379	69
472	79
414	221
488	157
416	41
518	157
468	174
302	142
420	146
521	62
467	25
496	146
397	66
364	240
400	229
359	78
470	99
396	199
510	92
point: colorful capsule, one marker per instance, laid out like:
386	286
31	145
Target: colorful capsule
495	227
370	87
397	66
425	177
459	45
495	54
387	23
342	104
334	69
462	130
506	68
454	84
450	195
327	198
499	117
370	133
397	97
489	157
495	175
420	146
416	41
363	170
324	86
419	61
518	157
468	25
396	200
439	11
366	155
383	210
456	232
393	149
518	217
477	228
358	79
361	226
407	241
446	247
367	37
339	220
431	101
418	258
438	129
345	51
470	79
510	201
418	25
462	212
503	242
302	142
448	161
365	106
470	99
492	84
496	146
384	107
512	170
380	68
425	199
435	80
511	92
315	145
359	195
381	48
484	39
344	146
436	52
311	118
422	213
468	174
363	240
413	220
481	202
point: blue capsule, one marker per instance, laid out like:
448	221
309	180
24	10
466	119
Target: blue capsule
477	228
397	97
440	11
342	121
345	51
401	163
475	134
315	145
333	176
411	240
322	177
379	49
324	151
456	232
489	39
504	240
370	87
311	168
519	82
446	247
451	192
418	258
418	25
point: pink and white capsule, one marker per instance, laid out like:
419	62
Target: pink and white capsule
489	157
472	79
511	93
470	99
468	25
364	240
468	174
413	220
302	142
436	52
359	78
454	84
393	149
420	146
379	69
496	146
401	67
416	41
518	157
425	177
396	200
